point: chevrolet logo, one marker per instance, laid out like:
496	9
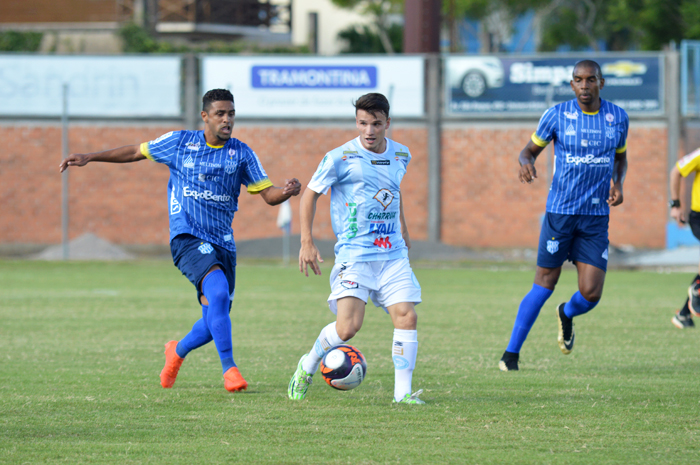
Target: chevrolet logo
623	68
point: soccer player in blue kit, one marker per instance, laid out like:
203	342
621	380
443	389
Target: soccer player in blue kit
371	255
590	149
207	169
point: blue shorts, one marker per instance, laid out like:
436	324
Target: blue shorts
195	257
577	238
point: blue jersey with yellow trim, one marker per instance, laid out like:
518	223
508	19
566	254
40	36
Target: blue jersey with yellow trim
365	200
585	145
205	182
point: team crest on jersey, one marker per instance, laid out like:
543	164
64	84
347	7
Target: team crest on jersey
206	248
192	146
552	247
570	130
231	152
189	162
175	206
384	197
609	132
569	115
230	166
609	117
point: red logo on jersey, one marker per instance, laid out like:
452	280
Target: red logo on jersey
383	242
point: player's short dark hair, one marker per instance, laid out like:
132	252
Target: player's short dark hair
372	103
589	64
215	95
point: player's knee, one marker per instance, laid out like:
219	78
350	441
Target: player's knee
408	321
405	317
591	294
217	294
547	277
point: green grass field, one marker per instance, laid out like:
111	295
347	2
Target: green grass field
81	347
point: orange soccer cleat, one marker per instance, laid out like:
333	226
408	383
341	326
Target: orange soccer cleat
172	365
233	380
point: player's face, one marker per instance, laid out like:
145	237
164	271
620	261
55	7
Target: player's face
219	119
586	85
372	130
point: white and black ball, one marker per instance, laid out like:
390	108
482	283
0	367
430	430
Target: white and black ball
343	367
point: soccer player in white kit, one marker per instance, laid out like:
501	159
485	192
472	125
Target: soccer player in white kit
371	254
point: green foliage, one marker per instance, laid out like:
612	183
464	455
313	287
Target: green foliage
14	41
138	40
362	39
82	346
620	24
379	10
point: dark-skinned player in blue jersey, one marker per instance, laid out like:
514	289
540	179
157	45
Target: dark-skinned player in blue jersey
590	148
207	170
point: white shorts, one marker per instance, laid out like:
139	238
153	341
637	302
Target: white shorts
386	282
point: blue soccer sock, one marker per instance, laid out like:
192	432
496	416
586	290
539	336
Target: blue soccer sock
578	305
215	289
528	311
197	337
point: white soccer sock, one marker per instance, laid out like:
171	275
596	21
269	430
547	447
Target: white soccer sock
404	351
327	339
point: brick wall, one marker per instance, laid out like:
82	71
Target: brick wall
483	203
52	11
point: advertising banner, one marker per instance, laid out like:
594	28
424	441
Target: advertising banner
313	87
114	86
480	85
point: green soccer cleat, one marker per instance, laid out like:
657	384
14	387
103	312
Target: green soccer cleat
411	398
300	382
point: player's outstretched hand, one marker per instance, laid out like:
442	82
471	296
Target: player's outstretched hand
291	187
309	256
615	197
527	173
74	159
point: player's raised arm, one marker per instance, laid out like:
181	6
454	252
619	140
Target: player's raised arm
276	195
126	154
527	158
308	254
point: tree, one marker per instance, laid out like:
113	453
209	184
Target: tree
619	24
362	39
379	10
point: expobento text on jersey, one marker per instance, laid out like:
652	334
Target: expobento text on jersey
206	195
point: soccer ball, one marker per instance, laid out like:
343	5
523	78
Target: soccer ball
343	367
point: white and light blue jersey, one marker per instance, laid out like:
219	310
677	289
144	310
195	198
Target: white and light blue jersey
585	145
365	200
205	182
